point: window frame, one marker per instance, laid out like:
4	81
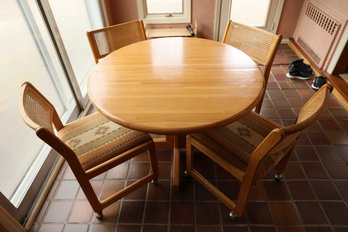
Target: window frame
44	57
40	28
164	18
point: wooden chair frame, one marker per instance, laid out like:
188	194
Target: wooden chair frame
259	44
44	130
280	141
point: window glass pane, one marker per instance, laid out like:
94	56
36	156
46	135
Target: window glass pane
94	12
49	52
73	22
164	6
254	16
21	60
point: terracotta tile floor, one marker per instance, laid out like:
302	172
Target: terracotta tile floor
313	195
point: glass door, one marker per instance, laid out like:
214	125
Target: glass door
56	58
70	20
264	14
24	58
261	14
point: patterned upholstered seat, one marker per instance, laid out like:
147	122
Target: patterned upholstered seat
95	139
250	147
90	145
239	138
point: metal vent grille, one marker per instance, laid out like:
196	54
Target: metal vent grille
316	31
309	51
321	18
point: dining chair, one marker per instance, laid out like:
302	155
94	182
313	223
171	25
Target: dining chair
259	44
90	145
108	39
250	148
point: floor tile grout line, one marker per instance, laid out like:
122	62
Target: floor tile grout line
247	224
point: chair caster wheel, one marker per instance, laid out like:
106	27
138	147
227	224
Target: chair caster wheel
278	177
232	215
154	182
100	216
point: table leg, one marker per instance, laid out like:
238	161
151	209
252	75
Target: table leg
176	164
173	142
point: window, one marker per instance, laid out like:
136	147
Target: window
29	54
165	11
73	21
254	16
264	14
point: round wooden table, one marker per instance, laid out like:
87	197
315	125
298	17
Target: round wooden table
175	86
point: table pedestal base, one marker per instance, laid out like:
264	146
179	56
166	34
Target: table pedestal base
175	143
176	164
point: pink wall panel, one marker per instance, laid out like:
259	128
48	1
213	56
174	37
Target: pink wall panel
290	15
339	6
204	12
124	10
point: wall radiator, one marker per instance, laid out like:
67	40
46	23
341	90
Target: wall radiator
316	32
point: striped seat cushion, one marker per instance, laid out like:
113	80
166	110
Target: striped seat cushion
236	141
95	139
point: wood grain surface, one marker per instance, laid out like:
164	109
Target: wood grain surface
175	85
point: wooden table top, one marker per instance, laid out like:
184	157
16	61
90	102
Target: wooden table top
175	85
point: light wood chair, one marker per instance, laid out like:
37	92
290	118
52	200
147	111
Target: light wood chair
250	147
259	44
90	145
106	40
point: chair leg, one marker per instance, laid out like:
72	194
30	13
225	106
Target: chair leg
91	197
233	215
154	163
258	107
87	189
259	104
279	168
189	157
100	216
243	195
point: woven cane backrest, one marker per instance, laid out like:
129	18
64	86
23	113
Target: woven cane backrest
310	111
257	43
106	40
37	111
314	105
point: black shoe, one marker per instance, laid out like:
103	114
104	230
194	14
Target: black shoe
318	82
295	62
299	63
299	72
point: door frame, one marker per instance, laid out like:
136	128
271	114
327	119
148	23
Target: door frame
19	204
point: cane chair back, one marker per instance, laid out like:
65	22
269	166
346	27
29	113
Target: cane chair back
106	40
90	145
250	147
259	44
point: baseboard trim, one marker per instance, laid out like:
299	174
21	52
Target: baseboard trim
43	194
285	41
301	54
